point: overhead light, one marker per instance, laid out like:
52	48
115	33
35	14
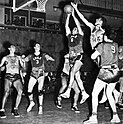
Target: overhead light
55	8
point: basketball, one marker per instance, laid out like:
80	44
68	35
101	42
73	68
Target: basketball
68	9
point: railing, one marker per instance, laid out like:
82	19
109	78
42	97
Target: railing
47	28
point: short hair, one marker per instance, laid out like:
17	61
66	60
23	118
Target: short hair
6	44
104	21
97	16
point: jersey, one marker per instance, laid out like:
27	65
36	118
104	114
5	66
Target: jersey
109	71
37	63
108	52
96	37
12	64
75	44
120	61
120	56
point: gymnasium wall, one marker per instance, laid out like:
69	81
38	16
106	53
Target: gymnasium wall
51	43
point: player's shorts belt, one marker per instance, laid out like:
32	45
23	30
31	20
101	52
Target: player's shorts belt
110	66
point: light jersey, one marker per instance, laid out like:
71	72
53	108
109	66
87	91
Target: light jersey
109	53
12	64
75	44
96	37
120	61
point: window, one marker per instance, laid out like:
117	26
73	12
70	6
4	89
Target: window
37	22
19	20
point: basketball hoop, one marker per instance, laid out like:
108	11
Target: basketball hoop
41	5
22	6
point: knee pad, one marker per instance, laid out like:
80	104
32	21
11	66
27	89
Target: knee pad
40	92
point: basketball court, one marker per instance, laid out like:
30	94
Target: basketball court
53	115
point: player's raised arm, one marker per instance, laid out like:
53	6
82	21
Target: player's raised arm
67	28
82	17
107	39
77	23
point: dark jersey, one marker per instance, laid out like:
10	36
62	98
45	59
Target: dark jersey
75	43
36	61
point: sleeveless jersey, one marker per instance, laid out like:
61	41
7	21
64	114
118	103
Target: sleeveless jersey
109	53
120	61
12	64
109	62
96	37
75	43
37	61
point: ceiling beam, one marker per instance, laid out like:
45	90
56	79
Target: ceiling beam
103	11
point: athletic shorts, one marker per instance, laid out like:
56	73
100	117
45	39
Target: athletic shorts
77	57
109	75
37	72
12	78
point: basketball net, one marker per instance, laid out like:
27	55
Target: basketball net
41	5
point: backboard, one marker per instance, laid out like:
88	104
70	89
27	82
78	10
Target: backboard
20	4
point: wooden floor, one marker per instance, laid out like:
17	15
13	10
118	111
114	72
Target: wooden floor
53	115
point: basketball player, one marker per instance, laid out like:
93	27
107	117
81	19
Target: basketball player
108	77
97	32
75	38
37	60
13	63
120	100
64	80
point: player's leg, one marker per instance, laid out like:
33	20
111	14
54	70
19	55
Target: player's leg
7	86
40	92
63	82
32	82
81	86
18	85
109	91
116	95
76	97
62	89
73	71
120	100
98	86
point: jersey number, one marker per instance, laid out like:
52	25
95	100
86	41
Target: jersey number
113	49
37	61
